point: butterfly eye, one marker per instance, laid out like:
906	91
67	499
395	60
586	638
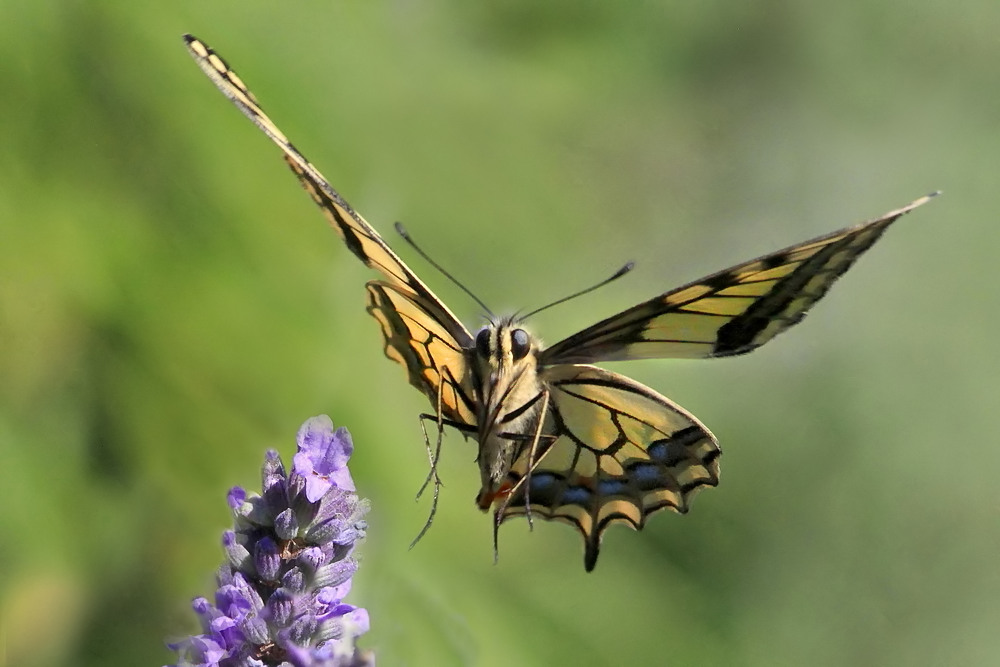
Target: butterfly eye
483	343
519	343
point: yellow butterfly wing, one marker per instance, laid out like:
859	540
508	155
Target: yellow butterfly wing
618	452
730	312
420	331
433	359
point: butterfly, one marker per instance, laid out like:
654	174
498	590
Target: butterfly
560	438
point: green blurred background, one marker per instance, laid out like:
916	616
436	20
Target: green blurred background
172	304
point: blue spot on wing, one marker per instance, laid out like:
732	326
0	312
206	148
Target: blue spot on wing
671	451
576	495
645	472
658	450
542	481
611	487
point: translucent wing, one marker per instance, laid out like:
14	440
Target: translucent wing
730	312
621	452
422	315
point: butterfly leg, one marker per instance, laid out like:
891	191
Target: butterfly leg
432	474
434	456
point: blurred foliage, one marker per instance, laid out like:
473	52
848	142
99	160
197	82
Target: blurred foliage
171	304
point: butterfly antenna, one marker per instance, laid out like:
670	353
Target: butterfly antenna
618	274
401	230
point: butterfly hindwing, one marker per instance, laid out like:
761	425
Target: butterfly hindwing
730	312
620	452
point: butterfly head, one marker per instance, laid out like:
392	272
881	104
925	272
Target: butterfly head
503	348
508	392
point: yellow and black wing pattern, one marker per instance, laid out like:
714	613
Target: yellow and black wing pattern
433	358
614	450
618	452
420	331
730	312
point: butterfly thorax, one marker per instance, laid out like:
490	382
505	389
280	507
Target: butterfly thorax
509	398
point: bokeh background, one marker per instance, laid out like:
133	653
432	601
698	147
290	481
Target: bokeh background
172	304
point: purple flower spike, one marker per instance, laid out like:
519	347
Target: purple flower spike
322	457
288	566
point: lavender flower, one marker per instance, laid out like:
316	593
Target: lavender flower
288	566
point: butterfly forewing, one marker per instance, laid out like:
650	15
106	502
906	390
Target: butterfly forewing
432	357
730	312
360	237
420	332
621	452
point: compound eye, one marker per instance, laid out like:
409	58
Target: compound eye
520	344
483	343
